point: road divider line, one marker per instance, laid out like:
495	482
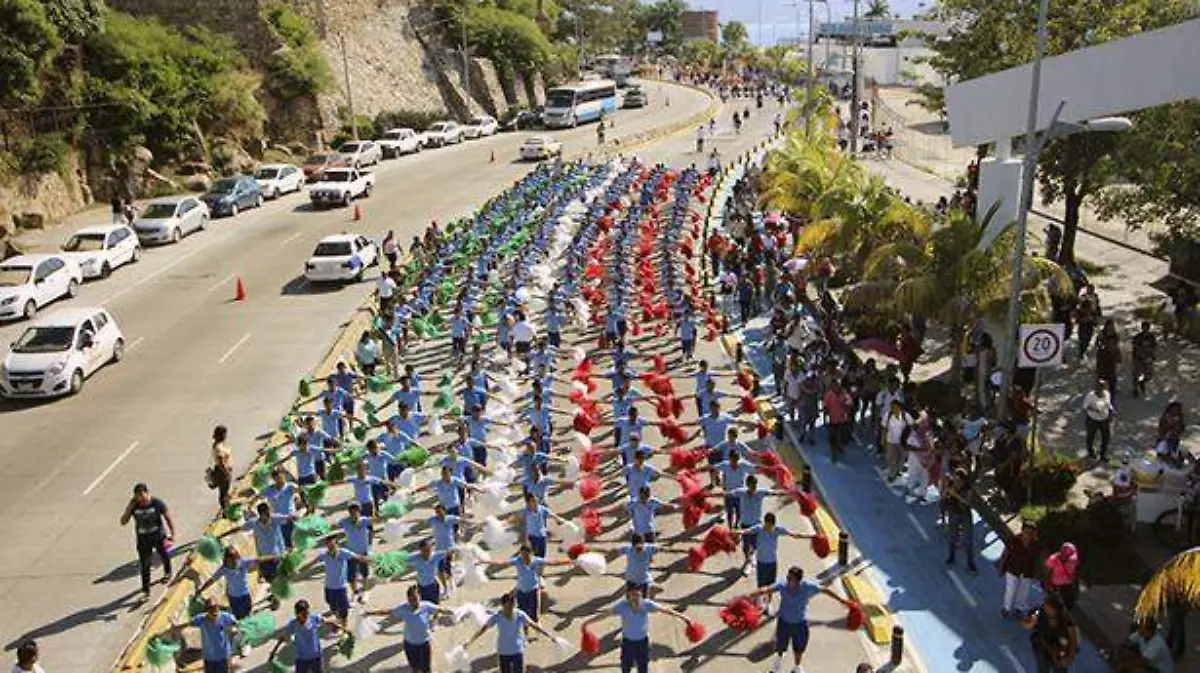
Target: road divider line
291	238
221	282
229	353
108	470
962	589
917	524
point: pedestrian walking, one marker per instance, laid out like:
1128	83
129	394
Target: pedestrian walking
217	628
1144	347
510	624
27	658
117	207
957	506
1053	636
1087	314
220	472
792	626
417	616
305	633
1019	567
1062	574
1098	416
154	529
1108	355
391	250
634	612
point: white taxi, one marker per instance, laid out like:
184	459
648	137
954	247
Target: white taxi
59	351
341	258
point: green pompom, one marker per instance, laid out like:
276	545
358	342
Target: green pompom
290	564
456	411
309	531
490	319
306	387
161	652
277	666
390	564
335	472
260	477
257	628
281	587
209	549
315	494
392	510
285	424
444	400
195	605
372	419
368	407
346	646
378	384
360	432
414	457
447	381
234	511
272	457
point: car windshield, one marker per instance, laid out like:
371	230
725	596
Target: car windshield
332	249
85	243
439	127
317	159
536	141
337	176
158	211
267	173
479	121
14	276
350	148
394	135
558	98
223	186
45	340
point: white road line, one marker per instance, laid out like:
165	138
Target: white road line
221	282
136	342
291	238
112	466
142	281
962	589
1018	667
233	348
917	524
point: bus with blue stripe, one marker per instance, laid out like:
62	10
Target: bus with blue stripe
573	104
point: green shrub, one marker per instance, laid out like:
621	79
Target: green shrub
29	41
509	39
43	154
299	68
1053	477
417	120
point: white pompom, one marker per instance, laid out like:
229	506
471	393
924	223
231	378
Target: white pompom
364	626
509	389
473	552
435	426
395	531
474	576
578	356
457	659
572	468
492	496
570	534
496	536
582	440
563	648
407	479
592	563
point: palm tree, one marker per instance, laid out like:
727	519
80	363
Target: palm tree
877	10
873	216
808	178
947	277
1177	581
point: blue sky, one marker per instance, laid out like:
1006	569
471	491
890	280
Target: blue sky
779	20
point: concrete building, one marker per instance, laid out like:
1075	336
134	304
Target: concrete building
701	24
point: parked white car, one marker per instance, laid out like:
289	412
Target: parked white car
341	258
29	282
441	134
169	220
99	250
275	180
536	148
340	186
59	351
359	153
396	142
480	127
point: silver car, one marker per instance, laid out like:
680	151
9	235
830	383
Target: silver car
169	220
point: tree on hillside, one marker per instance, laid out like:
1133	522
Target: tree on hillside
701	52
987	36
665	16
734	35
877	10
29	41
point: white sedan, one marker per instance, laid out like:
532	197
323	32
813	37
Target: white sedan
536	148
275	180
341	258
29	282
100	250
480	127
59	351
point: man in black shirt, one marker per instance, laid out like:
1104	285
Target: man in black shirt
154	529
1145	347
958	512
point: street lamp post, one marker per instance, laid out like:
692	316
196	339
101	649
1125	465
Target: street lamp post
854	83
466	65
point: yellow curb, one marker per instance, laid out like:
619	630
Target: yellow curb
879	619
730	342
174	603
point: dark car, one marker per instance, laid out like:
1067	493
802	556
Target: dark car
525	119
228	196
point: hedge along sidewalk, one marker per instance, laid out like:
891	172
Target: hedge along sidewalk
175	602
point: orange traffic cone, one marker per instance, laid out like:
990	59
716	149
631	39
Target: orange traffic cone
239	292
357	213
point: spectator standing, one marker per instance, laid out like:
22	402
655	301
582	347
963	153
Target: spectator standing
1098	415
895	427
1108	355
1062	575
957	505
1053	636
1019	567
838	404
118	210
154	529
1087	314
1144	347
220	473
27	658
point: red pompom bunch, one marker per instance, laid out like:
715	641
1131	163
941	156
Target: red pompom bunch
683	458
590	487
576	549
821	546
583	422
745	380
592	525
589	644
807	501
590	460
855	617
672	431
741	614
694	631
749	406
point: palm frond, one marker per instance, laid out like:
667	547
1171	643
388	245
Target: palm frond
869	295
1178	580
818	236
892	260
923	295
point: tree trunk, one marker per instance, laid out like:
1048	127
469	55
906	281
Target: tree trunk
1072	200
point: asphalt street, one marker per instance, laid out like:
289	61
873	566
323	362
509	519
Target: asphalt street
195	359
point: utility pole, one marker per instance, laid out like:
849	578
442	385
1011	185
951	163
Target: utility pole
466	65
349	91
854	84
812	74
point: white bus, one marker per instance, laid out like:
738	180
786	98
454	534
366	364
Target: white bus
615	67
574	104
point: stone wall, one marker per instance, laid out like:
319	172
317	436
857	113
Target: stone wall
485	87
33	202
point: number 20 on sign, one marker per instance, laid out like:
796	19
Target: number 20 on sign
1041	345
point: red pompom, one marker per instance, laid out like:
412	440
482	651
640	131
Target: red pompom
576	395
660	330
807	502
689	484
764	429
660	384
636	329
692	515
696	557
768	461
590	487
855	617
660	363
589	644
741	614
719	539
820	545
576	549
749	406
589	461
672	431
694	631
662	407
710	335
745	380
683	458
583	422
592	525
676	406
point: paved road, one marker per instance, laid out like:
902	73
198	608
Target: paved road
196	359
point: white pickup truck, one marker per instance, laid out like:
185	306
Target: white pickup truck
396	142
340	186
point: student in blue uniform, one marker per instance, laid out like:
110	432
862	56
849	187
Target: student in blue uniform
635	611
235	570
216	630
417	616
792	626
510	624
305	633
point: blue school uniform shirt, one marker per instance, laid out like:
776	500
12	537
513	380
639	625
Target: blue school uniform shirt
642	514
268	535
443	531
237	578
282	499
510	632
331	422
535	521
214	636
377	463
416	621
636	477
734	477
426	570
715	428
477	429
768	542
528	574
336	568
751	504
447	492
793	603
635	624
410	398
306	637
458	465
306	460
358	534
637	566
539	418
687	329
538	488
362	487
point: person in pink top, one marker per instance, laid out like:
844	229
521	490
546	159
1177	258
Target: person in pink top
1062	568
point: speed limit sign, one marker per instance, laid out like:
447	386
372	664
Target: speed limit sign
1041	345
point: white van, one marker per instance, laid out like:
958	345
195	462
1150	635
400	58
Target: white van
58	351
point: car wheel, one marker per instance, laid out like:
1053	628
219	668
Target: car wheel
30	309
175	235
574	121
73	288
258	201
233	210
346	200
118	350
105	270
137	254
76	381
367	191
203	223
275	194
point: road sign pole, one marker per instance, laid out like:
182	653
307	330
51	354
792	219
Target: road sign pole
1033	435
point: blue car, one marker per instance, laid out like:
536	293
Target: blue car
228	196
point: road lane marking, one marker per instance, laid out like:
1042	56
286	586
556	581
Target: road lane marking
112	466
962	589
1018	667
291	238
221	282
233	348
136	342
917	524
